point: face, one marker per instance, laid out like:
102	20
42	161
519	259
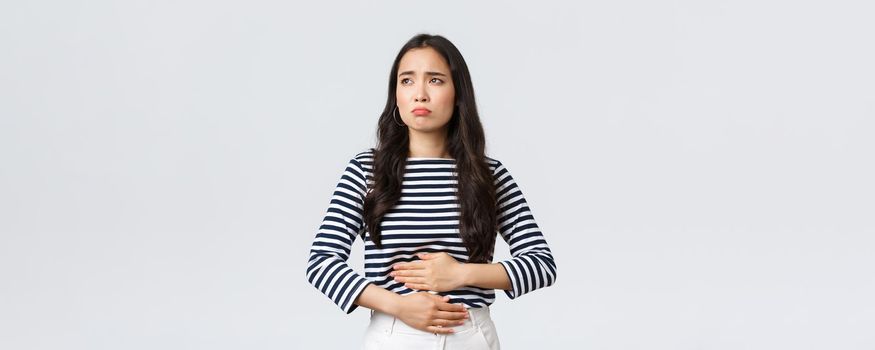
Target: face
424	82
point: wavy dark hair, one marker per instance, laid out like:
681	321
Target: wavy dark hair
466	144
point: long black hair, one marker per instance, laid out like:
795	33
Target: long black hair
466	144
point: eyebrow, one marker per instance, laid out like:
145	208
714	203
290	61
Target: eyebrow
410	72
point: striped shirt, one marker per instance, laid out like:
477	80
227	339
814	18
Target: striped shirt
425	219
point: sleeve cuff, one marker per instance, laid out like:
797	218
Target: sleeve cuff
349	305
513	275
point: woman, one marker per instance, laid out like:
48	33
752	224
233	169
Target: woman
428	204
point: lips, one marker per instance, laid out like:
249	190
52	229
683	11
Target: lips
421	111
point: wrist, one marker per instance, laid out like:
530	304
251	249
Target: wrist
395	305
466	274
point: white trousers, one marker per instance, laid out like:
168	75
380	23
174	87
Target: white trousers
386	332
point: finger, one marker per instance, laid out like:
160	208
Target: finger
452	307
408	266
417	286
414	280
448	323
439	330
451	315
410	273
440	298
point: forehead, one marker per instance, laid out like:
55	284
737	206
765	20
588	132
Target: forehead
423	59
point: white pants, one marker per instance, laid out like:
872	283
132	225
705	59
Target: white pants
388	332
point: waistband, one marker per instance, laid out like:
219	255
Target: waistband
387	323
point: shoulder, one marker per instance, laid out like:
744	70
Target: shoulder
500	173
492	161
363	159
364	155
495	165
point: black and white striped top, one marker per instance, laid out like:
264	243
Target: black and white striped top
425	219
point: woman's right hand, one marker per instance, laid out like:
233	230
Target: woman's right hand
425	311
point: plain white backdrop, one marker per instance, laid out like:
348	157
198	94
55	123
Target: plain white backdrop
701	169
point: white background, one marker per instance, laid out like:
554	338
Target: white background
702	170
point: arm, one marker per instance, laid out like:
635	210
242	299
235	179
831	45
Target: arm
491	276
441	272
380	299
327	269
532	266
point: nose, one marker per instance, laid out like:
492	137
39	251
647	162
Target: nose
421	95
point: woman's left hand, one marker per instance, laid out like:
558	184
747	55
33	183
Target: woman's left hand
438	272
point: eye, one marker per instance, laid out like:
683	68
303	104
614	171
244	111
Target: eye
438	79
404	79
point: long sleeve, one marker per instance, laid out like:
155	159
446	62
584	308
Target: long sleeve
531	266
327	268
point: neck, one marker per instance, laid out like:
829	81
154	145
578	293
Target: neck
429	144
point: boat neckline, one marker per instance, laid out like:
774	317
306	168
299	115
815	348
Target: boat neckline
428	158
